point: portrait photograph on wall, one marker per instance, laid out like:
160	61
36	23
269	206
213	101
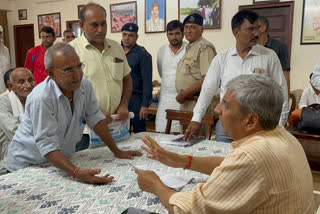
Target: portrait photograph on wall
310	27
22	14
79	9
53	20
155	16
121	14
210	10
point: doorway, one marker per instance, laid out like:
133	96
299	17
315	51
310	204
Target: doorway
23	41
280	17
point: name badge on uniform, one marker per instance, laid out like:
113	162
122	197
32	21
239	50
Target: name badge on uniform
117	60
188	59
258	71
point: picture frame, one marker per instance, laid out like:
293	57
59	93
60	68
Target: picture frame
264	1
52	20
155	16
310	26
122	13
22	14
79	9
211	12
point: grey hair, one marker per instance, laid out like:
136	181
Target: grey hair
60	47
10	77
260	95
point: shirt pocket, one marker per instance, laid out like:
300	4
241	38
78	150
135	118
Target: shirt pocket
117	70
193	68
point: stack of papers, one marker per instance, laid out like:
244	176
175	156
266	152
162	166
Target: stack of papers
175	182
179	141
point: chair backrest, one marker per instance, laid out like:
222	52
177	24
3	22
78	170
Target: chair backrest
185	117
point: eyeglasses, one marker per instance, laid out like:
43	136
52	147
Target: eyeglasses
71	70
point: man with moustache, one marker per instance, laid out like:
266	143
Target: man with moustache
12	108
35	56
140	62
193	66
54	110
68	35
167	60
106	64
245	58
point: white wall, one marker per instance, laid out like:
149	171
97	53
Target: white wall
303	57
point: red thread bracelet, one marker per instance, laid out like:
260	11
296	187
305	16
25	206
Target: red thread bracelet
74	173
189	163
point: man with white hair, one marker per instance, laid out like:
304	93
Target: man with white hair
12	109
4	61
54	111
267	172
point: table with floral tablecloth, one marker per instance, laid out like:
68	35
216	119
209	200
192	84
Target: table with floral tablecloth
46	189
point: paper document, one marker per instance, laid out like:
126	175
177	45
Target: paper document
170	180
179	141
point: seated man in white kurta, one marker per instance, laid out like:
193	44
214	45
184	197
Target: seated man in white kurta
167	60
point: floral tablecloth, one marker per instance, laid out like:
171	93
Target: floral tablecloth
46	189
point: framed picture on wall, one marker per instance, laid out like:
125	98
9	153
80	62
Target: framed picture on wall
264	1
79	9
22	14
210	10
121	14
53	20
155	16
310	27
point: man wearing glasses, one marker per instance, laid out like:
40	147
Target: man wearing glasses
245	58
50	127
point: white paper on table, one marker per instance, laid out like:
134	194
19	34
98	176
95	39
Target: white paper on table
173	181
174	143
179	141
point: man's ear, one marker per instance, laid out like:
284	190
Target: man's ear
51	73
82	25
235	31
252	122
10	86
263	28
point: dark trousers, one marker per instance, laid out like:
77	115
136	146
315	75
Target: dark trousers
83	143
134	106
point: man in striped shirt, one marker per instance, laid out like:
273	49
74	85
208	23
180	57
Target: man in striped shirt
267	172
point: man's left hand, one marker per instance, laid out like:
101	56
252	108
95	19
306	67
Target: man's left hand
181	98
127	154
122	112
148	181
144	112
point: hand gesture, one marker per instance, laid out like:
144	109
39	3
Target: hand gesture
148	180
123	112
163	156
127	154
89	176
144	112
193	129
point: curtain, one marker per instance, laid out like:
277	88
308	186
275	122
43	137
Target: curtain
4	24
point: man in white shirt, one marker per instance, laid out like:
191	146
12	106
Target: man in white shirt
245	58
167	60
311	94
4	61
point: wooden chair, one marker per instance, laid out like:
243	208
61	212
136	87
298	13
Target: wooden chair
185	117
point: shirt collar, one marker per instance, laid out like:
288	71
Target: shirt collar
183	46
253	51
194	43
238	143
57	90
86	43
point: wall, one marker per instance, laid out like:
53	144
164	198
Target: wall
303	57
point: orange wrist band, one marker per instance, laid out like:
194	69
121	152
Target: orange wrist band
74	172
189	163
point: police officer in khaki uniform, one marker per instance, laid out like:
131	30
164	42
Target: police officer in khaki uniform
194	65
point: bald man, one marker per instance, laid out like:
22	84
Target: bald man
12	108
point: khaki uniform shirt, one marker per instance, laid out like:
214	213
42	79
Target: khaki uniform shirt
105	70
267	173
192	66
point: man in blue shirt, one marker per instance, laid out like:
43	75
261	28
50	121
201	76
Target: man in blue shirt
140	62
50	127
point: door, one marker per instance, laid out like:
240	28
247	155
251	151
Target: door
280	16
23	41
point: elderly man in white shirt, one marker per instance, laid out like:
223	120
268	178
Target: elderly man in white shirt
245	58
167	60
4	61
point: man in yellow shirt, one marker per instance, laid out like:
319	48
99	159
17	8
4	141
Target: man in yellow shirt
105	63
266	173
